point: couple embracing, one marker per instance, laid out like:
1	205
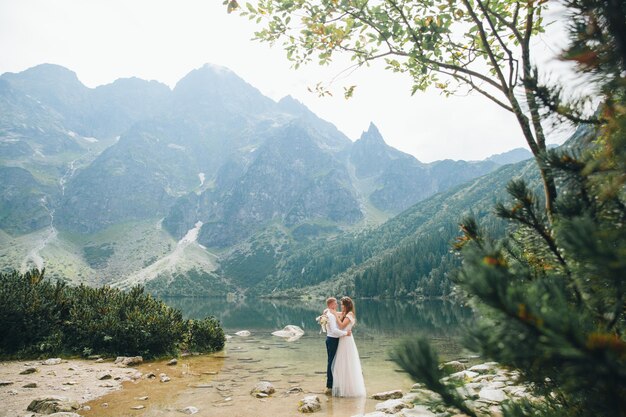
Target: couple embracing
344	377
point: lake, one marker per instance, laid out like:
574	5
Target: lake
220	383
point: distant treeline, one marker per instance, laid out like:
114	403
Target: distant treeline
39	317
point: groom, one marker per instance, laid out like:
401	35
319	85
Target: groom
333	333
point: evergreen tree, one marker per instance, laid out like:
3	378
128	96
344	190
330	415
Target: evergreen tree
552	294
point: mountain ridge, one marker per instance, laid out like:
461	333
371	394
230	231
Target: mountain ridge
254	176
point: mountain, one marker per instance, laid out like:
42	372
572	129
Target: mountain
206	188
511	157
398	180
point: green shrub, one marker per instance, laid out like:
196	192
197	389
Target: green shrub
205	335
40	317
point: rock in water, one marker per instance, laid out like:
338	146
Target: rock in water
172	362
52	404
290	332
263	387
52	361
387	395
30	385
64	414
309	404
129	360
5	383
28	371
189	410
243	333
392	406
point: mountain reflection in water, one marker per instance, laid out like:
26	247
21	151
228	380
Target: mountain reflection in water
386	317
219	384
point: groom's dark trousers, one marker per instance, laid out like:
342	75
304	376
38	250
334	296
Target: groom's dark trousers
331	349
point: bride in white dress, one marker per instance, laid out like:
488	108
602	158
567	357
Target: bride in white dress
347	373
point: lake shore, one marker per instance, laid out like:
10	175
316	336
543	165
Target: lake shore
78	380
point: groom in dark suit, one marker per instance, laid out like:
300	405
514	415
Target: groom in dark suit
333	333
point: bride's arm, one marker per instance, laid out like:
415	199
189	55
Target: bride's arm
342	323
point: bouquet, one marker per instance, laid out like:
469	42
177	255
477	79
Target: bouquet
323	321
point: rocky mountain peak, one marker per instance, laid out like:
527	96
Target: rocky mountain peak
44	73
372	135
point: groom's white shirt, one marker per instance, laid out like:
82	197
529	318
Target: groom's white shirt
333	330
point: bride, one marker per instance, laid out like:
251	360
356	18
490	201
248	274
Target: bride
347	374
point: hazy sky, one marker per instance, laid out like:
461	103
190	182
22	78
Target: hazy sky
102	40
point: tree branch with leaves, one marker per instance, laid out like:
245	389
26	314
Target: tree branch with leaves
465	46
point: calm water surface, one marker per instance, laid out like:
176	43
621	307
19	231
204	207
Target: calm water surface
220	384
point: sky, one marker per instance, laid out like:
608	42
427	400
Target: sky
103	40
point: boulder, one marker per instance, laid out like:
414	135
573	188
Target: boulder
29	370
64	414
392	406
387	395
52	404
243	333
189	410
492	395
263	387
417	411
452	367
5	383
164	378
30	385
172	362
482	368
290	332
422	396
128	360
52	361
376	414
464	375
104	375
309	404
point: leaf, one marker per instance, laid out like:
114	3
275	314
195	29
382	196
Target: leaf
348	91
232	6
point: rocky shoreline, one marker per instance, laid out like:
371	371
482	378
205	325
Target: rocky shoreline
62	388
59	387
483	387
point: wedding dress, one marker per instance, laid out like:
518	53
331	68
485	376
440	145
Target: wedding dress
347	373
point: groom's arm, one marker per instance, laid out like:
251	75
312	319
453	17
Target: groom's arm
332	325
